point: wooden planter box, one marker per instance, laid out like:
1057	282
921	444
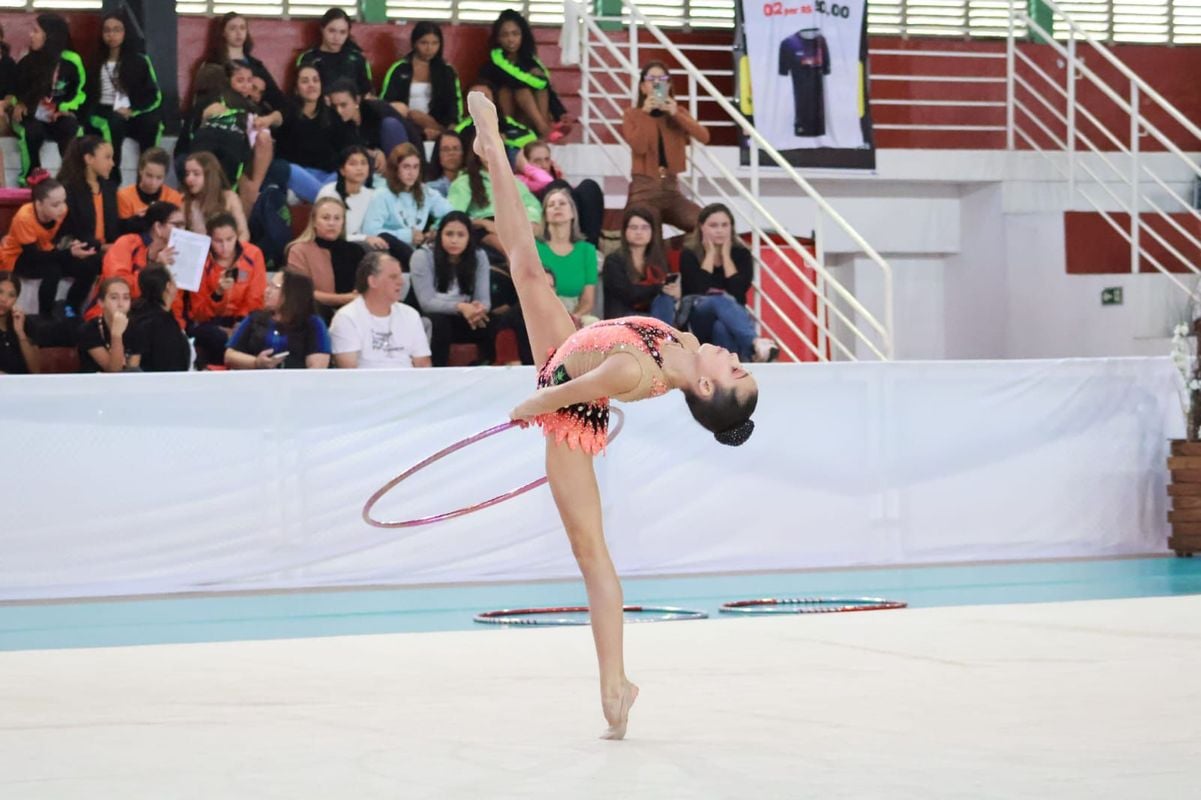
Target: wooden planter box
1184	488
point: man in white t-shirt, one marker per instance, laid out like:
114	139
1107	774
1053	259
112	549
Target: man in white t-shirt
375	330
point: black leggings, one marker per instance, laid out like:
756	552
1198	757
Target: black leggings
50	271
451	329
590	203
144	129
32	133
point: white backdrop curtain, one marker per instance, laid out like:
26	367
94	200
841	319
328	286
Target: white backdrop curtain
128	484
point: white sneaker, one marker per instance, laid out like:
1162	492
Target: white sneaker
764	350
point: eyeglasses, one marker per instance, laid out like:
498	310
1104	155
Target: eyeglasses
657	78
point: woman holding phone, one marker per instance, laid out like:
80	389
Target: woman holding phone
658	131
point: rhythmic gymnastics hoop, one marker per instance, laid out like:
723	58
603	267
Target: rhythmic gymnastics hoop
809	605
443	453
531	616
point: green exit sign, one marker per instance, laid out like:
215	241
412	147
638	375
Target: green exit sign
1111	296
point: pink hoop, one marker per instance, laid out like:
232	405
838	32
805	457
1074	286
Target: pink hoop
443	453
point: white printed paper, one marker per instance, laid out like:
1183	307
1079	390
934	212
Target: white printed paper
191	251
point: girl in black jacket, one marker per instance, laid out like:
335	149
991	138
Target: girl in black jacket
522	81
422	87
92	215
338	57
49	92
229	40
123	92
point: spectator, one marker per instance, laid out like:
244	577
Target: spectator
323	255
422	87
18	353
229	41
515	134
235	276
372	124
153	341
308	139
375	329
28	249
285	332
716	266
506	309
338	57
446	162
401	211
588	195
451	282
636	276
354	188
123	92
522	80
151	187
207	194
229	120
134	252
471	193
101	340
658	132
49	92
8	87
568	256
91	196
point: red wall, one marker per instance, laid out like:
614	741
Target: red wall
1172	71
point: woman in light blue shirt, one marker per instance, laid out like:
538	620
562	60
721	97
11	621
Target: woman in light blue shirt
451	282
400	212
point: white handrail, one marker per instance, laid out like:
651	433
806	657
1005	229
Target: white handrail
824	207
1130	74
1137	233
607	58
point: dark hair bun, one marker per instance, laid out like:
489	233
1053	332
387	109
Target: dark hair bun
736	435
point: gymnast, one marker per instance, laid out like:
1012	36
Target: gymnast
627	359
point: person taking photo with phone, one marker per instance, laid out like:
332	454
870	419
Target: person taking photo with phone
658	131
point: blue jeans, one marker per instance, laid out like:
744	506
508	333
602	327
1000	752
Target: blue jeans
391	133
305	182
719	319
663	308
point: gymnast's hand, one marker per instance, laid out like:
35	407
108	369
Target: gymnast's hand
525	412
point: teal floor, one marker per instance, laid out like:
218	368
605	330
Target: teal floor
106	623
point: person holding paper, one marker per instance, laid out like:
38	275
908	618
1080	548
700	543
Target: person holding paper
134	252
231	287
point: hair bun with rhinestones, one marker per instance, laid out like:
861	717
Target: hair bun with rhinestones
736	435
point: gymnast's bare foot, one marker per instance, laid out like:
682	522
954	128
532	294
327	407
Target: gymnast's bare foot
487	127
616	708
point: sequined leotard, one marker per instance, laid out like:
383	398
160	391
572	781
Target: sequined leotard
585	425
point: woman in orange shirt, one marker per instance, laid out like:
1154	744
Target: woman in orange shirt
28	249
134	252
235	278
133	200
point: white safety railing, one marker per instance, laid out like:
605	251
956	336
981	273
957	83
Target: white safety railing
845	327
969	84
1047	115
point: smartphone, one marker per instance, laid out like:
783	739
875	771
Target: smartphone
673	277
284	354
661	89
